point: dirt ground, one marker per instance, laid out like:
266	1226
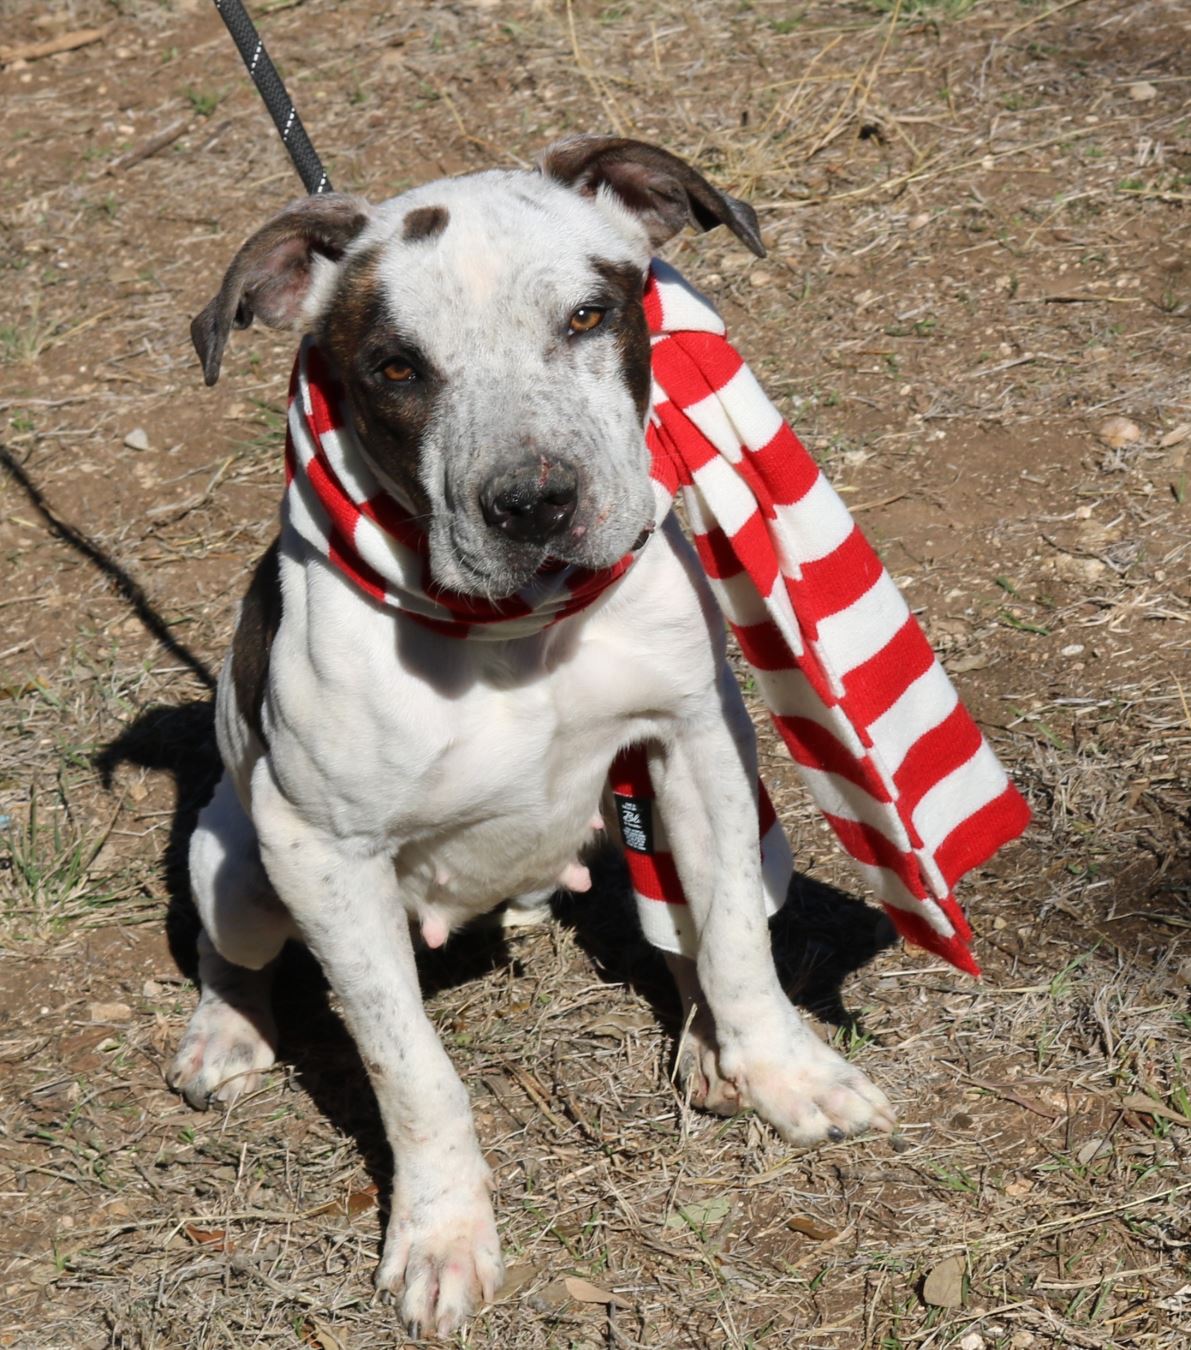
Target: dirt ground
975	309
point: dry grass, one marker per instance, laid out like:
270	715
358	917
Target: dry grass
978	253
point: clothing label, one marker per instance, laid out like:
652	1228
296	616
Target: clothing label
635	815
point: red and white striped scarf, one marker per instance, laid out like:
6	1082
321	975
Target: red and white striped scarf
892	759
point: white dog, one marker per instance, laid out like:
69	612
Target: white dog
488	337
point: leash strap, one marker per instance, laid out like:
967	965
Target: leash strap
272	89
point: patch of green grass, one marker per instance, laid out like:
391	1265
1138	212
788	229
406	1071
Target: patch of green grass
204	102
45	870
956	1179
27	339
1063	981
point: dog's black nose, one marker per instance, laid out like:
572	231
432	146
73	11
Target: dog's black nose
532	502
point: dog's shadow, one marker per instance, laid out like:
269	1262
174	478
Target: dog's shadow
820	937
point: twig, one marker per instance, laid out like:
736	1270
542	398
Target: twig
875	503
64	42
153	146
1052	1226
922	175
1074	298
589	75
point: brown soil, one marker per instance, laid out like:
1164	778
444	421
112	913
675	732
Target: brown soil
977	217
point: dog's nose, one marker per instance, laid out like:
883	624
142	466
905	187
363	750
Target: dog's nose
532	502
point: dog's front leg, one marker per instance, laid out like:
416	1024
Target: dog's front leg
441	1250
755	1050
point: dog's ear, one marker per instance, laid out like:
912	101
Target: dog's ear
271	274
661	190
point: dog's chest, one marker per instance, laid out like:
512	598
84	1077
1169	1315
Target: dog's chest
475	759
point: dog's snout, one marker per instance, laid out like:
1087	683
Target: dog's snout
532	502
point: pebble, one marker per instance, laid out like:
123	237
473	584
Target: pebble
1142	91
972	1341
1073	649
111	1012
137	439
758	277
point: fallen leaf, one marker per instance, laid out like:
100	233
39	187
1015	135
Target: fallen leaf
516	1278
215	1238
1090	1150
1147	1106
944	1286
551	1298
1176	436
583	1291
321	1335
700	1213
359	1202
811	1228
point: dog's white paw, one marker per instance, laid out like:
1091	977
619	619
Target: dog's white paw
443	1261
809	1093
223	1053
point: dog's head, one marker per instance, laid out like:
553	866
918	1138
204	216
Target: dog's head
490	336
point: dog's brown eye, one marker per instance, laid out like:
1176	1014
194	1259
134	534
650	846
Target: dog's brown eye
398	372
586	317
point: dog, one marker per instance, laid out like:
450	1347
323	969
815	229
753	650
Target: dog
385	779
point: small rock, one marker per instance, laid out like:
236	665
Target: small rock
1021	1340
151	989
920	221
759	277
972	1341
137	439
1117	432
111	1012
1142	91
1073	649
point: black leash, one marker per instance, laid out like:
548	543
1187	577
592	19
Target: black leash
277	100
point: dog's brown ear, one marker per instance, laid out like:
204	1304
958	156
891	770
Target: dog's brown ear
270	276
663	191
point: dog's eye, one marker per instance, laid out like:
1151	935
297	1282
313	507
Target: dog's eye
398	371
587	317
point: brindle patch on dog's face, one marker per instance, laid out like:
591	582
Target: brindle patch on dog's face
361	339
450	326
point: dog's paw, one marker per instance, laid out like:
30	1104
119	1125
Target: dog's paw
810	1093
223	1053
442	1262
